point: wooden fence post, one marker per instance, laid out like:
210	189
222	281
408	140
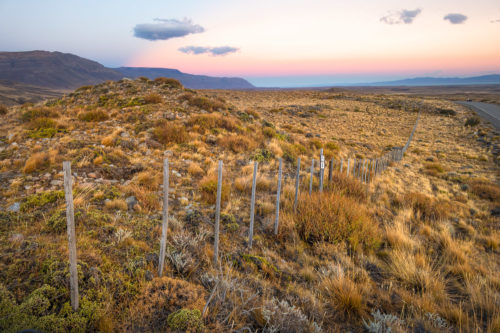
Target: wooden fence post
311	178
341	165
297	182
321	170
252	204
70	221
348	166
164	227
278	194
330	171
217	212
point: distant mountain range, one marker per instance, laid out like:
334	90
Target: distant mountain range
436	81
65	71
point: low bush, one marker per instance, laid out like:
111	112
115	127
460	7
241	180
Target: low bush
434	169
334	218
472	121
236	143
185	320
171	83
208	187
152	98
93	116
212	121
3	109
429	209
34	113
201	102
168	132
485	190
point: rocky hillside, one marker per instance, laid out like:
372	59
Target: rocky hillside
415	250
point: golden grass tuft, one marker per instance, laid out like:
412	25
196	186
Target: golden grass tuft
41	160
168	132
485	190
334	218
195	170
116	204
152	98
344	296
429	209
237	143
208	187
204	122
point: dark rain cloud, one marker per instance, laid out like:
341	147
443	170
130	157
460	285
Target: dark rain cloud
215	51
404	16
455	18
166	29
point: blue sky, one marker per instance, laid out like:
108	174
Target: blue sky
271	43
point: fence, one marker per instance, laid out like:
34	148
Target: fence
365	170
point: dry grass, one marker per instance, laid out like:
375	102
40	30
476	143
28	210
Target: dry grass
153	98
237	143
116	204
485	190
194	169
40	161
427	208
205	122
335	218
208	188
170	132
344	296
93	116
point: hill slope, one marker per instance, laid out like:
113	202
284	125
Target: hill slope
58	70
188	80
53	69
415	250
435	81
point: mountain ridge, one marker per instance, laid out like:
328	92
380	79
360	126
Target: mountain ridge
57	70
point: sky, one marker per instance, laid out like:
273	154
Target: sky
283	43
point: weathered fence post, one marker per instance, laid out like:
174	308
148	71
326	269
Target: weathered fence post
348	166
252	204
321	170
70	221
297	182
217	212
341	165
164	227
277	217
330	171
311	178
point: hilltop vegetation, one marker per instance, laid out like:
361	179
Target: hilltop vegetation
415	250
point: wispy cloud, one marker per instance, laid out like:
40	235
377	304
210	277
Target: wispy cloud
455	18
405	16
495	21
166	29
215	51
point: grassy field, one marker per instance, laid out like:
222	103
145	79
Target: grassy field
415	250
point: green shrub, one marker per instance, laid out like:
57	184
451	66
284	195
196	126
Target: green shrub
94	116
472	121
185	320
41	199
263	155
36	113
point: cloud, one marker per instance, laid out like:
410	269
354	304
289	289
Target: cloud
495	21
405	16
166	29
215	51
455	18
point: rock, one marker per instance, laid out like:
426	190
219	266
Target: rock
124	134
184	201
150	143
56	182
309	135
152	258
464	187
15	207
175	173
211	139
131	202
92	175
430	159
169	115
16	238
472	211
148	276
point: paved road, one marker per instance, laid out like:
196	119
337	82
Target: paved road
490	112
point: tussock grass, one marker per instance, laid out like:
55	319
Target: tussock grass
170	132
334	218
